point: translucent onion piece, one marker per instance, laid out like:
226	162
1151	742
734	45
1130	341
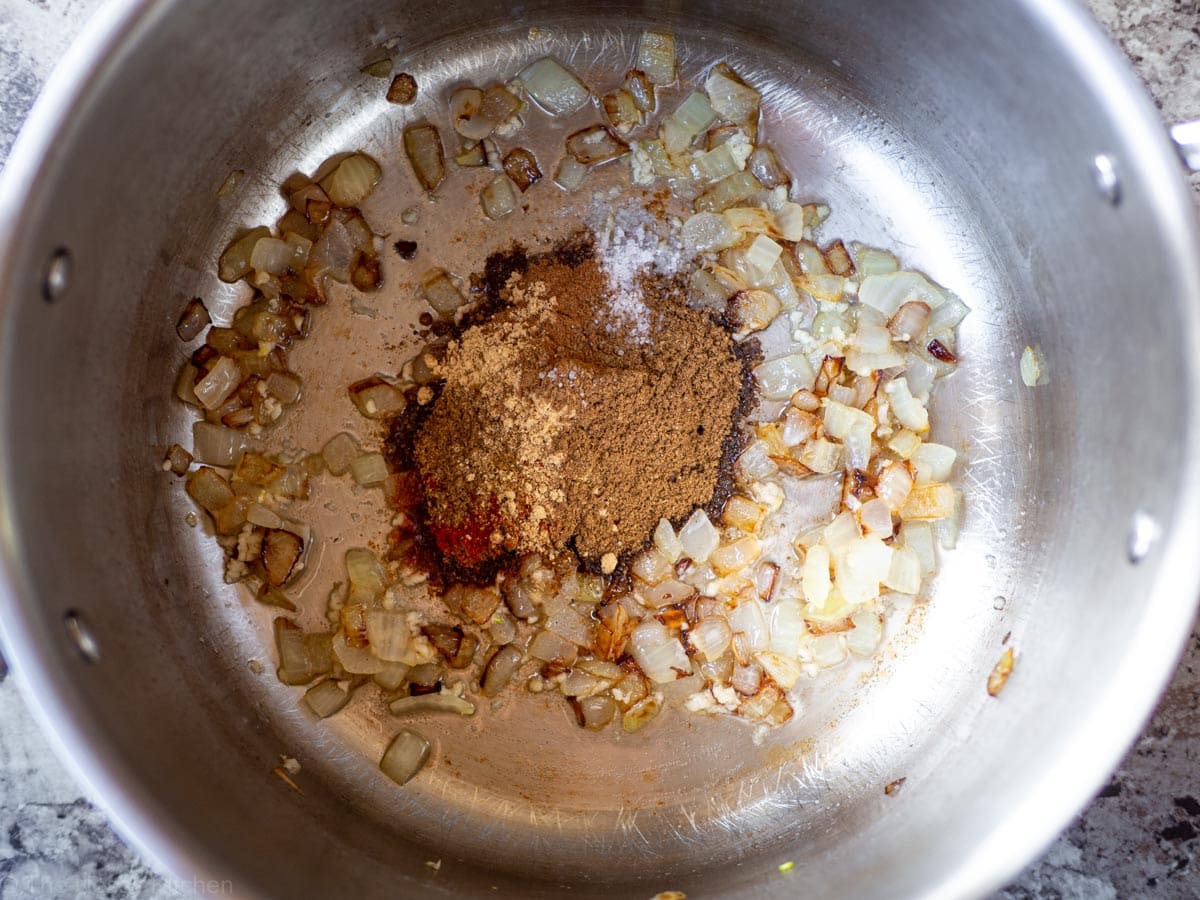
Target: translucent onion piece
326	698
194	320
569	624
918	536
909	321
353	180
1031	367
550	647
733	100
339	452
933	462
222	380
235	261
622	110
594	145
869	261
465	105
209	490
698	538
753	310
369	469
423	146
727	192
651	566
641	713
498	198
441	292
500	670
710	637
521	166
733	557
656	57
405	756
667	542
904	574
816	579
887	293
554	88
216	445
689	119
779	379
783	670
445	700
787	628
748	621
570	174
389	634
715	164
864	638
708	231
639	86
658	652
377	399
596	712
908	410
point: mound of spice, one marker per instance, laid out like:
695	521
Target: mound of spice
567	422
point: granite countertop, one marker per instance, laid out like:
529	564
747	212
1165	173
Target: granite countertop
1138	838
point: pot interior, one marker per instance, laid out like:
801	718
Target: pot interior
927	133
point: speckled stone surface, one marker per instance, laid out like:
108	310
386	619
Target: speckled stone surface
1138	838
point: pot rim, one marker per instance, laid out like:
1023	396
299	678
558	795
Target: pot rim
1029	825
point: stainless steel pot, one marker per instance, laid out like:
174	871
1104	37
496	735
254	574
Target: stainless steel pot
1004	148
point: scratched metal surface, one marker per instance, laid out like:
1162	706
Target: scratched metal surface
583	798
521	792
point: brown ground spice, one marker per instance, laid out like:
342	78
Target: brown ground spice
556	429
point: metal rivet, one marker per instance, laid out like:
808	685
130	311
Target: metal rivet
1104	170
81	637
1143	532
58	275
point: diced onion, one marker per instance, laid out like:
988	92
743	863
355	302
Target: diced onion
748	621
376	398
369	469
667	542
594	145
933	462
235	261
405	756
658	652
710	637
389	634
690	118
907	409
423	146
570	173
656	57
498	197
352	181
553	87
340	452
787	628
222	380
929	502
698	538
570	624
918	536
728	192
784	671
730	96
216	445
706	231
441	292
500	669
326	697
864	637
1031	367
904	574
887	293
734	557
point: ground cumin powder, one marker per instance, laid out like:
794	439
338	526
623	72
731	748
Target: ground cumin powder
566	422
